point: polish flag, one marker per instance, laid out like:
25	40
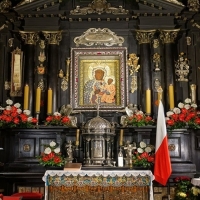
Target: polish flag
162	166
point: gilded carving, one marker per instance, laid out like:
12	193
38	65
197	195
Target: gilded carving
182	68
24	2
188	41
41	69
27	147
156	60
7	85
42	44
132	62
10	42
171	147
42	56
65	78
5	6
41	84
98	36
168	36
53	37
99	7
157	84
29	37
193	93
155	43
193	5
175	2
3	26
134	84
145	36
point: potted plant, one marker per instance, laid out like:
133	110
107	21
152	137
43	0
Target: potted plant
139	119
51	157
12	116
185	115
58	120
183	190
143	156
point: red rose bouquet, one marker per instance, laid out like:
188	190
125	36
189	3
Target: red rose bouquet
12	116
143	155
139	119
183	115
51	155
58	120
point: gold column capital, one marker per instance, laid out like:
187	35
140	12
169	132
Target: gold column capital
145	36
30	37
53	37
168	36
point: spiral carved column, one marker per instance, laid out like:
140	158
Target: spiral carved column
168	37
53	38
30	39
144	38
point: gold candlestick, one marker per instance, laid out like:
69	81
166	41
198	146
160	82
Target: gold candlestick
49	101
77	137
26	96
148	101
38	98
121	137
171	96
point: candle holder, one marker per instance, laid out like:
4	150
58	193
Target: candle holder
148	114
37	117
76	153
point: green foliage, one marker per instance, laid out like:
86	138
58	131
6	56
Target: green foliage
139	119
143	156
51	155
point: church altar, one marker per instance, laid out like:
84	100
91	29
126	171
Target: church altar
98	184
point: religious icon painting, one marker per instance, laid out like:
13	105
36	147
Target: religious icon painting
98	76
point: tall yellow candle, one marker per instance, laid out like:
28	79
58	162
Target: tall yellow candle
171	96
148	101
38	98
121	137
49	101
26	96
77	137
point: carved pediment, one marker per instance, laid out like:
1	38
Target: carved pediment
99	7
99	37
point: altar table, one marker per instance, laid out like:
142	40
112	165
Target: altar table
98	185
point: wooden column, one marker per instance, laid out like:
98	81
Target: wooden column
53	38
168	37
144	38
30	39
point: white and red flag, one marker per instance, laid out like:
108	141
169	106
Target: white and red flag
162	166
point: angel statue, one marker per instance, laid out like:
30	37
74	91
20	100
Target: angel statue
130	110
67	110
